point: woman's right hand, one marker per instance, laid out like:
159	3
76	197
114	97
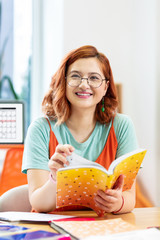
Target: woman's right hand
58	159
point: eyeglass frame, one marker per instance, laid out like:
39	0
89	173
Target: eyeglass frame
82	78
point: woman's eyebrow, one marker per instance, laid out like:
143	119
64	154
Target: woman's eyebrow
75	71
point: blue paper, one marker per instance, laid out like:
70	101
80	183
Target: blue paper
30	235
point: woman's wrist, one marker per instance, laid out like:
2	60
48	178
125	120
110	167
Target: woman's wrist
120	207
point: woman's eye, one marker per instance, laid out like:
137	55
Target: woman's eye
75	76
93	78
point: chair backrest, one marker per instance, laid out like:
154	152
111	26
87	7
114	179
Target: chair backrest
11	175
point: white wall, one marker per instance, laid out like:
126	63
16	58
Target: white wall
158	99
127	31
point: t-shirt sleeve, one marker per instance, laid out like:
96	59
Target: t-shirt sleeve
36	148
126	135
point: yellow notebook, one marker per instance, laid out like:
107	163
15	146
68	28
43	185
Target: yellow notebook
78	183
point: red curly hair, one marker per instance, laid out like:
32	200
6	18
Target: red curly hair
55	104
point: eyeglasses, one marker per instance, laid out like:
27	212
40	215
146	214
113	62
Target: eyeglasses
94	80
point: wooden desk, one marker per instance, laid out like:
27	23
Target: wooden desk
140	217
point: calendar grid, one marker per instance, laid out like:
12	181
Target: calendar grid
7	123
11	122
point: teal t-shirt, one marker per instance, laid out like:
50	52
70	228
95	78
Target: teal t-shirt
36	150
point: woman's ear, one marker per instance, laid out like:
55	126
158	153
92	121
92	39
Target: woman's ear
106	87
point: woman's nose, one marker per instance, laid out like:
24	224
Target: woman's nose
84	83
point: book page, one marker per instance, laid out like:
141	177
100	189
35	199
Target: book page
129	167
76	161
123	157
30	217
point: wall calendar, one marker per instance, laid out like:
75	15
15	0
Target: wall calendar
11	122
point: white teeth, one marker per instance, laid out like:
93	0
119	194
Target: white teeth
83	94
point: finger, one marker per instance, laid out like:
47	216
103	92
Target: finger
55	165
57	162
104	198
66	149
107	208
119	183
59	157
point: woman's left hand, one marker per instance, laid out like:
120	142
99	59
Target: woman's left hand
110	200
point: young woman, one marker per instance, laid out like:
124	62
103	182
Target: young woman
81	117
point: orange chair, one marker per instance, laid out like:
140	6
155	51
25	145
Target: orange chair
141	199
11	175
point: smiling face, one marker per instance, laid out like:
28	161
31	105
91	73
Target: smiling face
84	96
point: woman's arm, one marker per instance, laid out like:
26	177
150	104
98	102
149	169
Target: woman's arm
42	189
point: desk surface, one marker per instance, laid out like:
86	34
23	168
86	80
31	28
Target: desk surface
140	217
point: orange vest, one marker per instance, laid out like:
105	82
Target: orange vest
106	157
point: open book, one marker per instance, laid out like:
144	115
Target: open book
77	184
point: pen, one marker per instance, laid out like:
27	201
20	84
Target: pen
62	230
